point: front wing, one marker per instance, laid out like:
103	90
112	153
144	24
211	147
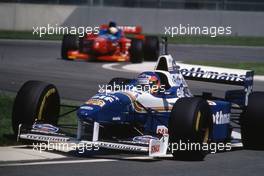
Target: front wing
154	148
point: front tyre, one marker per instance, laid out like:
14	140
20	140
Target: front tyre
35	101
190	123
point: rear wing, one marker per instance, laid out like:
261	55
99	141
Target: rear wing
216	74
126	29
208	74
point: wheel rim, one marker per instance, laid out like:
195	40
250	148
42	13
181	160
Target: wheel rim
206	135
43	103
197	121
205	131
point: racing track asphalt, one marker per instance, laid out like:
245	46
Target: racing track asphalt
24	60
34	60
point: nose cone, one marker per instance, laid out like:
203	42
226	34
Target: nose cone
88	112
103	108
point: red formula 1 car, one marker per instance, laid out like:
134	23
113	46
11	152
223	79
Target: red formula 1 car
104	47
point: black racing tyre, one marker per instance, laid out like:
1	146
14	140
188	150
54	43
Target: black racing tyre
81	44
151	48
136	50
69	42
190	123
252	122
35	101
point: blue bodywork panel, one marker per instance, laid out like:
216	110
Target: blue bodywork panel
107	108
221	111
117	108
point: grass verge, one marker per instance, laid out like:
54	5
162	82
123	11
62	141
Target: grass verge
221	40
6	133
258	67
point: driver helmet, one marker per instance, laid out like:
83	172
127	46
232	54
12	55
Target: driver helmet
149	81
112	28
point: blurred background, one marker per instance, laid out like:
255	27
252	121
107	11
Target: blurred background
244	16
245	5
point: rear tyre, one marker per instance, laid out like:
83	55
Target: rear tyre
35	101
69	42
136	51
190	123
151	48
252	122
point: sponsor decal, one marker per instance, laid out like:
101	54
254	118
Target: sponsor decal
108	98
96	102
143	79
155	149
116	118
87	108
198	72
161	129
45	128
144	139
129	28
221	118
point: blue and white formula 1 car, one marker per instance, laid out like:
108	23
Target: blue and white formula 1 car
155	113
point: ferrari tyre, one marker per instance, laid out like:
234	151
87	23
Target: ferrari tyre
69	42
151	48
252	122
190	123
136	50
35	101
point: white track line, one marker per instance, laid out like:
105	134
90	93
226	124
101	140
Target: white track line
258	78
111	67
138	68
58	162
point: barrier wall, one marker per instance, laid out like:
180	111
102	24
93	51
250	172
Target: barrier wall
25	16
